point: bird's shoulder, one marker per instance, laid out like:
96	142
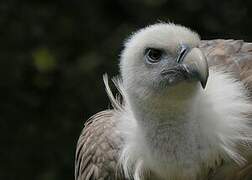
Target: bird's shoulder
97	148
234	55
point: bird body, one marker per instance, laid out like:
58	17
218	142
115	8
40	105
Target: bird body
168	125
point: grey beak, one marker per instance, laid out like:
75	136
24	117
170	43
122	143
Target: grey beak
195	63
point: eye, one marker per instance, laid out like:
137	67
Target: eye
154	55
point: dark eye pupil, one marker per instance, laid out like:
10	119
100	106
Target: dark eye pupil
154	54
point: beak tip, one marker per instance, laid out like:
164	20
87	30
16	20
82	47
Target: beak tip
204	78
203	84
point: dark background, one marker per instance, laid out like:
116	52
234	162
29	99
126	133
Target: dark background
53	55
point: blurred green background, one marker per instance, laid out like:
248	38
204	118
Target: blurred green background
52	58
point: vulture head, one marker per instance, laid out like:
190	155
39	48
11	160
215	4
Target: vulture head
160	57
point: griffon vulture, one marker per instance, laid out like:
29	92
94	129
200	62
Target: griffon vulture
184	112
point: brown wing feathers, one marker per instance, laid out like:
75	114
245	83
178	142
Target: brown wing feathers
97	148
234	55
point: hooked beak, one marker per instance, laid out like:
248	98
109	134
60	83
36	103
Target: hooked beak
195	63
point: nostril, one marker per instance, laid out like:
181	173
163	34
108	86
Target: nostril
184	50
